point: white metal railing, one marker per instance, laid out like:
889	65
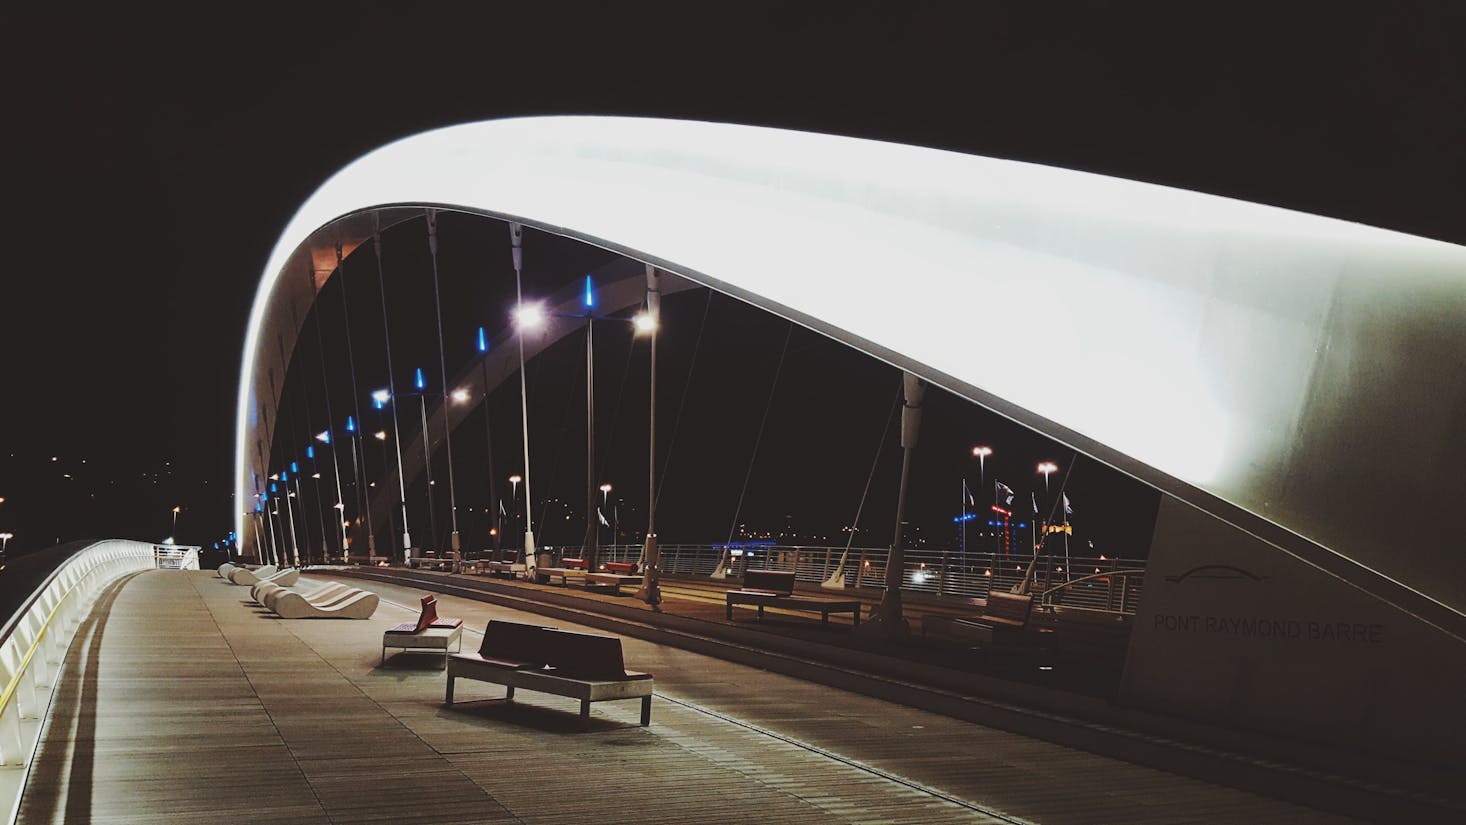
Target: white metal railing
33	647
1083	579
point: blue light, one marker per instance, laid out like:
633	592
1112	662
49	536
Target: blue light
350	424
590	297
284	475
1022	524
216	545
483	340
295	468
420	382
310	451
259	508
274	488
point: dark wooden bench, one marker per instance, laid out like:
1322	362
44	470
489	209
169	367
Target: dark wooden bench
1004	615
502	569
568	569
582	666
616	574
775	588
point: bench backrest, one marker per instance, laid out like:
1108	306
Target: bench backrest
1011	606
621	568
514	642
573	564
583	655
779	581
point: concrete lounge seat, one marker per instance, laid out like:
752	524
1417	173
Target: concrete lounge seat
583	666
358	605
429	632
224	570
616	574
260	591
322	596
775	588
243	575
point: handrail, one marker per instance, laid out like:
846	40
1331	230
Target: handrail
47	620
1046	598
25	662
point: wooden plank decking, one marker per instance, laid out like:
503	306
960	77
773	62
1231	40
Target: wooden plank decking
180	704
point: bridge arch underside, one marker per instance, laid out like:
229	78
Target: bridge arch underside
1290	383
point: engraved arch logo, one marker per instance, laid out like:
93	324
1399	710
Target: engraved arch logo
1217	572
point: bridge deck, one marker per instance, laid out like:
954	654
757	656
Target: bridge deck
180	703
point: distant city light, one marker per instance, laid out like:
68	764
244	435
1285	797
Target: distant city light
460	395
380	398
590	297
483	340
419	381
645	322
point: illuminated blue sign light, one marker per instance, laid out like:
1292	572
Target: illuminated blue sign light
350	424
590	297
310	451
420	382
295	468
483	340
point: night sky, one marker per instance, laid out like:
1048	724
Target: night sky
153	158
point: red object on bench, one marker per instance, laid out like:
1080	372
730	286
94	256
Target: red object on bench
428	617
621	568
573	564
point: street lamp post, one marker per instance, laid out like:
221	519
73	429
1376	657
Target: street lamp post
527	317
381	397
496	531
420	382
173	530
647	322
4	540
514	494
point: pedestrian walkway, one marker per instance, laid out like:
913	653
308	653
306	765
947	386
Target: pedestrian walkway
180	703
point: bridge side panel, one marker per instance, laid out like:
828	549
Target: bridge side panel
1232	631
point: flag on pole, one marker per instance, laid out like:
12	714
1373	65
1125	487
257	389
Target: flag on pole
602	517
1003	493
1068	511
968	493
1034	499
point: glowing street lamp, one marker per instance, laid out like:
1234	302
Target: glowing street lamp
4	540
1047	467
982	453
173	531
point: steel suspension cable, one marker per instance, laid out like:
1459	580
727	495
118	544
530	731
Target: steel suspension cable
768	407
392	390
837	578
356	444
340	505
432	216
686	385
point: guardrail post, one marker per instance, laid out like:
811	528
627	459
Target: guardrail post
942	582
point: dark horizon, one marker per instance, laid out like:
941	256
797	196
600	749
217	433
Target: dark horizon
156	172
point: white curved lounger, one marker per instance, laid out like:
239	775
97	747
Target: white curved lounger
291	605
323	596
225	569
240	575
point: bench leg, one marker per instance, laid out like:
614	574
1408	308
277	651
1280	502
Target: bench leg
646	710
448	700
760	612
730	611
824	617
857	618
585	709
509	693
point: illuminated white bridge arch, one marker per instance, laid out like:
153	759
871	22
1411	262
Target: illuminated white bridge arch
1297	377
